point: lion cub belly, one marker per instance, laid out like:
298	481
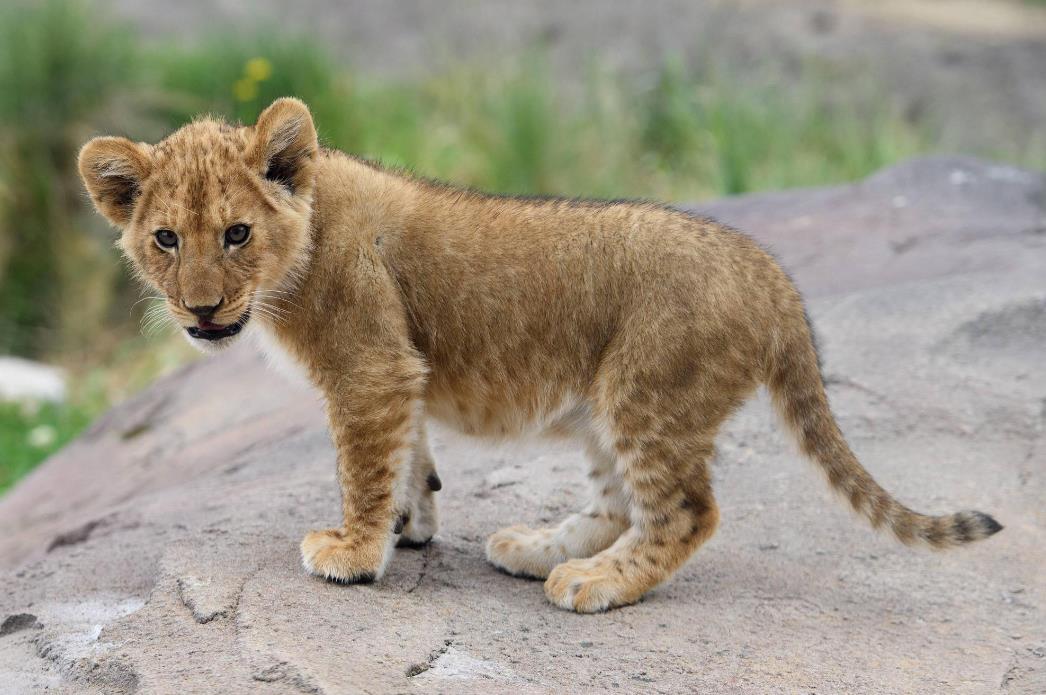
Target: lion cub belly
501	418
563	415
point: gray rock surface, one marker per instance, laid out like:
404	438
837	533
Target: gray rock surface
158	553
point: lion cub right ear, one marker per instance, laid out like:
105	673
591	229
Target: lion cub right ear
284	145
113	169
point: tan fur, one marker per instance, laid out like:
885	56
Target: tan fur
635	328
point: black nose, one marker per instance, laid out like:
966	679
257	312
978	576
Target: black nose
204	312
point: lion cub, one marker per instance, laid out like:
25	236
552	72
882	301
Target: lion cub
633	327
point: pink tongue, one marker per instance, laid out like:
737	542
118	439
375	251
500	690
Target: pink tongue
208	326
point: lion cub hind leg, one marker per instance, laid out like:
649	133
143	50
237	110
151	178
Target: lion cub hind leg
662	425
673	513
532	553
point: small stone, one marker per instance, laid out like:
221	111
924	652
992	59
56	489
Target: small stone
17	623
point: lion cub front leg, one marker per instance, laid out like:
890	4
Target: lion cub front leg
373	420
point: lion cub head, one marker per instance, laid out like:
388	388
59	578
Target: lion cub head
215	217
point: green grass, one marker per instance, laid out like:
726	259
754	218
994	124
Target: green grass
57	68
27	436
507	127
66	73
29	432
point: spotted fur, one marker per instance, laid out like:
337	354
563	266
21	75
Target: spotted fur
630	326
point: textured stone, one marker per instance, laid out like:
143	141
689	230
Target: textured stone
158	553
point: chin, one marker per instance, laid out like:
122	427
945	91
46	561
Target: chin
209	337
211	346
211	340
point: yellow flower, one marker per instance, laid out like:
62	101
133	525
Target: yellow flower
258	69
245	89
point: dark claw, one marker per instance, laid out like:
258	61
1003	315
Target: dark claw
365	578
401	521
435	484
411	544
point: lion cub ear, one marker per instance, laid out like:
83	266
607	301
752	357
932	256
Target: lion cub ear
284	145
113	169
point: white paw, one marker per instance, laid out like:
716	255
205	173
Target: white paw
525	552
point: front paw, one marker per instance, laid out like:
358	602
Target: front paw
343	558
421	523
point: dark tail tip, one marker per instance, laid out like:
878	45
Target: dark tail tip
970	526
990	525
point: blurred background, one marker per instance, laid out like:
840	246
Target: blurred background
675	100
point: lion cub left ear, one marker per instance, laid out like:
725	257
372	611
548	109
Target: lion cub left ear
284	145
113	169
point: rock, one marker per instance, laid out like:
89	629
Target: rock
17	622
206	600
159	552
25	380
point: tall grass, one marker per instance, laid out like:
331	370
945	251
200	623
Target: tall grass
57	70
507	128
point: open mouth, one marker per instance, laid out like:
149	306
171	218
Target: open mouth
213	331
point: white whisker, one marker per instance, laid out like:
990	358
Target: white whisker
267	312
279	310
275	296
154	318
277	307
156	324
144	299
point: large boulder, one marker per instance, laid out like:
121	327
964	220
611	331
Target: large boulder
159	552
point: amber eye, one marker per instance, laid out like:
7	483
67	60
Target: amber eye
166	238
237	234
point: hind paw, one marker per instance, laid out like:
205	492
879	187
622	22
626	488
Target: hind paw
589	586
525	552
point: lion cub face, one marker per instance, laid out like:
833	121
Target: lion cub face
216	218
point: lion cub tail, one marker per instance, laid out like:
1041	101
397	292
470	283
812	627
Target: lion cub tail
795	383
